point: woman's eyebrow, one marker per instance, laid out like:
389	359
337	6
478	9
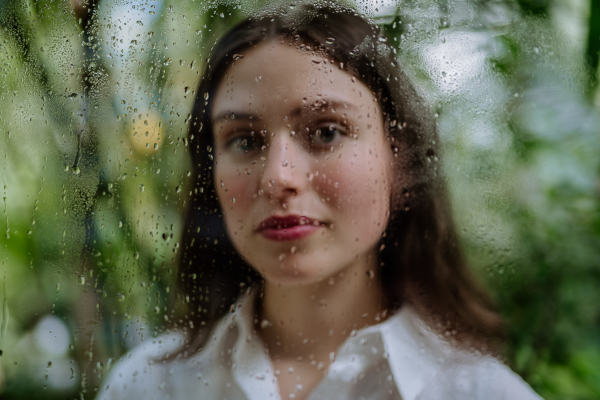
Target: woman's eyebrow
326	103
304	109
230	116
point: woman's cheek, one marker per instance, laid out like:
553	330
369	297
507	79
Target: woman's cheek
234	192
357	187
350	183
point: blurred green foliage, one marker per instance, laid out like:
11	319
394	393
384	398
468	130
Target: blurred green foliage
95	172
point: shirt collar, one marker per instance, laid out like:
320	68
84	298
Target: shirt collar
253	370
415	354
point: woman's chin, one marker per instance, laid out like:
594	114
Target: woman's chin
293	272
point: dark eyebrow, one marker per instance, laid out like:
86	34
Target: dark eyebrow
305	109
324	103
237	116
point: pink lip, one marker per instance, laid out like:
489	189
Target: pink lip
290	227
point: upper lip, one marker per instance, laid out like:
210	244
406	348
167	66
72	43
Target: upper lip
287	221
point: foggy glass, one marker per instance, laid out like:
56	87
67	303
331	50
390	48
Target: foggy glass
96	173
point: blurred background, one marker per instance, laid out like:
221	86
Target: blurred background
95	98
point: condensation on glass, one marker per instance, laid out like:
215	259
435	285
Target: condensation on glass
96	174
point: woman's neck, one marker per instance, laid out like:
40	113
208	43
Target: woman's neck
312	321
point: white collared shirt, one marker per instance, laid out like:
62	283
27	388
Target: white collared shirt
397	359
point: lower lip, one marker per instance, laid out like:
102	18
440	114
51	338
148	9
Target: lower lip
292	233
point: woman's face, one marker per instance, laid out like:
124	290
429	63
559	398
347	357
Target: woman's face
302	164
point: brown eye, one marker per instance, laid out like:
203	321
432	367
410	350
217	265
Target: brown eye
245	144
326	135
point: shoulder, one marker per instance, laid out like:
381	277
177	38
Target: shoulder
149	370
140	372
426	366
477	377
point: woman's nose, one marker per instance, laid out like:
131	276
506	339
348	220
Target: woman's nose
283	176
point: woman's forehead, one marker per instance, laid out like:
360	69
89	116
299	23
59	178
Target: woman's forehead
277	76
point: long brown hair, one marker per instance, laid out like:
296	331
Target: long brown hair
421	260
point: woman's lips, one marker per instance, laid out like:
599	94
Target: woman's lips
291	227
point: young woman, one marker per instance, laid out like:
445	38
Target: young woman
340	275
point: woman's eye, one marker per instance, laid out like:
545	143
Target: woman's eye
244	144
326	135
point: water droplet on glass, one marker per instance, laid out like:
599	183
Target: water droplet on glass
81	280
258	79
136	255
140	23
186	90
120	296
237	56
329	40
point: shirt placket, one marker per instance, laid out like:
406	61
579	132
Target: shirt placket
359	371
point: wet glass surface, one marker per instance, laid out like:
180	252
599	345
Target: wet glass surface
97	176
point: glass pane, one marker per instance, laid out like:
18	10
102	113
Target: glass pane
112	224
